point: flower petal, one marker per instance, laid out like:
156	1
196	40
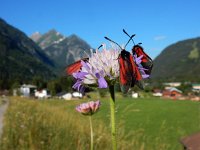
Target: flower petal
88	108
102	83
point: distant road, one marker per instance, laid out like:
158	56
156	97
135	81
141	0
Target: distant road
3	108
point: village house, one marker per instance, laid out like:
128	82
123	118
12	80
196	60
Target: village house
27	90
69	96
196	87
64	95
44	93
172	93
135	95
157	93
169	85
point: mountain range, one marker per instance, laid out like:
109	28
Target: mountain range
46	55
42	55
179	62
61	49
21	58
47	39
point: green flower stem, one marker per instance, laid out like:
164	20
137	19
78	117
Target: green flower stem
91	134
112	117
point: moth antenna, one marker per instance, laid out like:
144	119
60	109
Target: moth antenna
113	42
100	46
130	36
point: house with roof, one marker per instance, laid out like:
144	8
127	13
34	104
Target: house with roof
172	93
69	96
27	90
157	93
196	87
169	85
64	95
44	93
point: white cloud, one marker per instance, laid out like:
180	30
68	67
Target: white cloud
160	37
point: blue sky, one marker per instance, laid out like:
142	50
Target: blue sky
156	23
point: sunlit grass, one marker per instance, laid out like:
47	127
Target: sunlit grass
151	124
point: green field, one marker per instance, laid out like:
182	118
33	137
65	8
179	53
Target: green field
142	124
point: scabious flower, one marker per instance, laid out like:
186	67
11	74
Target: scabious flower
88	108
102	68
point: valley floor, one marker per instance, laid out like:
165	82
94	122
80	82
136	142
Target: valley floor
143	123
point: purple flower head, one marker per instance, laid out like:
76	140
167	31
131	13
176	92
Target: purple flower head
101	67
88	108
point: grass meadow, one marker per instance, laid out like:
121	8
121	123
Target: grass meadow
142	124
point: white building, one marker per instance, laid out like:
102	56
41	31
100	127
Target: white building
158	94
42	94
169	85
196	87
64	95
67	96
77	95
135	95
27	90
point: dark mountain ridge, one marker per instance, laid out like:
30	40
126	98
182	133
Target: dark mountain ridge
179	61
20	57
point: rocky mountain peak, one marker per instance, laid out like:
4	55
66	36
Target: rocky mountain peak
49	38
36	36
